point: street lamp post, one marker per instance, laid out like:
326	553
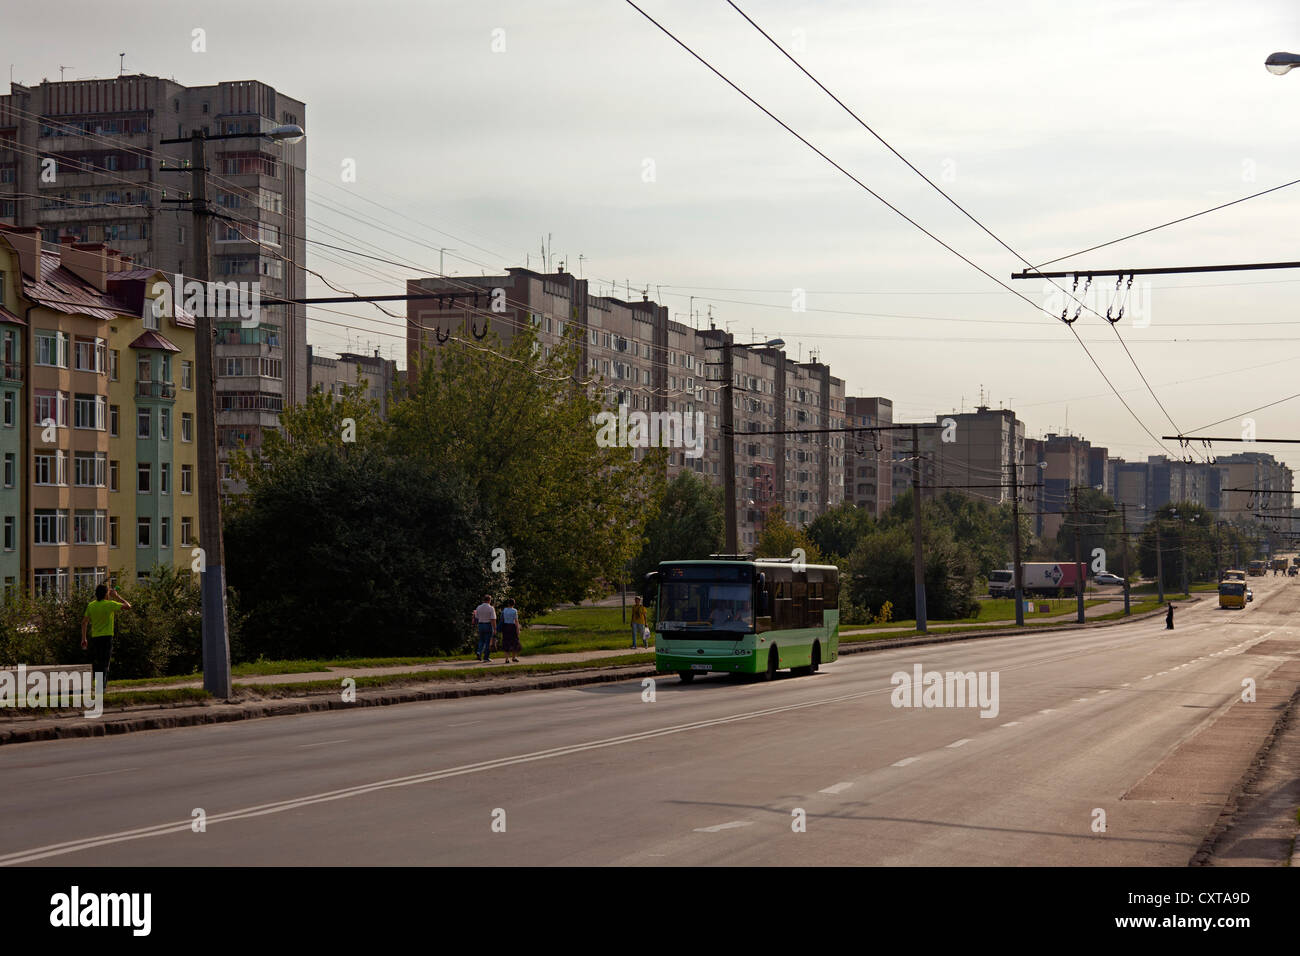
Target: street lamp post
1279	63
728	430
216	638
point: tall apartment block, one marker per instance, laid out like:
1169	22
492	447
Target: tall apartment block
84	160
634	355
868	460
971	453
95	429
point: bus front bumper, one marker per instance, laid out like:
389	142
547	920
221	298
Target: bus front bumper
706	663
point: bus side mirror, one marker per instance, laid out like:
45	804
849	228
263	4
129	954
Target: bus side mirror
651	586
762	596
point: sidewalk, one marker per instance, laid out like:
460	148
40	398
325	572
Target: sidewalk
1108	606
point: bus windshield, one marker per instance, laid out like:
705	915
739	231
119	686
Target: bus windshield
711	605
1234	588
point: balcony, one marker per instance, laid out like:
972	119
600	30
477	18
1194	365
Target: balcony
155	390
11	372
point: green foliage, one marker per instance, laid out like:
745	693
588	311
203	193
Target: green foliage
392	559
1211	546
837	531
885	614
779	538
880	570
686	523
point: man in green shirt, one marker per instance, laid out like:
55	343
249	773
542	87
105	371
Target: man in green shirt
99	617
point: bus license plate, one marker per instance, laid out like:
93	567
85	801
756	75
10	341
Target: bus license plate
701	667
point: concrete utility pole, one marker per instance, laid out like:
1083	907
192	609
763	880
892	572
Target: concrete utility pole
1016	579
729	444
216	637
1182	540
1160	565
1078	557
918	558
1123	540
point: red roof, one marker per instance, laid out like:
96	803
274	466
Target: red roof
7	316
64	291
152	340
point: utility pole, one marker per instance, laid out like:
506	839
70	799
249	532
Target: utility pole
729	444
1123	539
1160	565
1015	541
216	638
1182	541
918	559
1078	557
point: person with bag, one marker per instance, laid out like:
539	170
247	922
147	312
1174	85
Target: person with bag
638	623
485	617
510	630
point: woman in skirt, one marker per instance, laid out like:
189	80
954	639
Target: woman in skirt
510	630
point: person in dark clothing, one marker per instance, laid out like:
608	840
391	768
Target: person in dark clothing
1169	618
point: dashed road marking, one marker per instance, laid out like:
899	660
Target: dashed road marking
733	825
959	743
906	760
836	788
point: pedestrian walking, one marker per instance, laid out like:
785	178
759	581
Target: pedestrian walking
1169	617
100	618
638	623
510	630
485	617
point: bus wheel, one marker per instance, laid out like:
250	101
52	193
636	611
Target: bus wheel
772	665
816	658
686	676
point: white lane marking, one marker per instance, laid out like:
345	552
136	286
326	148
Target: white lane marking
1012	723
734	824
1123	685
161	829
905	761
1081	700
98	773
1100	692
836	788
1049	710
1149	676
465	723
959	743
324	743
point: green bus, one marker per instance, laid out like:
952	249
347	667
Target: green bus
745	616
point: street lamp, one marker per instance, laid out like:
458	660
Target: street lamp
728	429
1279	63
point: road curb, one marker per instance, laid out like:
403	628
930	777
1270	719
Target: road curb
171	716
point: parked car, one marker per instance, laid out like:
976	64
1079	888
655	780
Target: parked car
1105	577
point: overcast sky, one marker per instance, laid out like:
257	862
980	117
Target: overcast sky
494	123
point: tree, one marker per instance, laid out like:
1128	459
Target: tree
1099	526
881	569
567	513
686	523
837	531
779	539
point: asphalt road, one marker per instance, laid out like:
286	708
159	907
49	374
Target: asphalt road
705	774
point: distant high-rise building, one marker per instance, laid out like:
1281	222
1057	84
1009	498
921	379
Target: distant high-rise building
868	457
83	159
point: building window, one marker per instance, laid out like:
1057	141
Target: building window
50	469
90	469
90	354
164	423
50	581
164	473
143	481
187	375
50	526
143	533
187	529
89	527
88	411
187	426
187	479
113	357
143	419
112	532
49	406
11	532
164	529
51	348
10	468
9	405
112	476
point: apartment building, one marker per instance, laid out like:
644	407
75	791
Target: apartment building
83	159
330	375
99	412
1255	483
868	457
632	354
13	421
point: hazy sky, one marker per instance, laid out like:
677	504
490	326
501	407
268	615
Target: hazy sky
493	123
